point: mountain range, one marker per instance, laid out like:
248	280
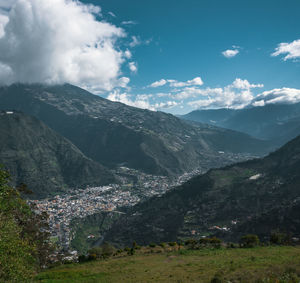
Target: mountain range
277	123
114	134
257	196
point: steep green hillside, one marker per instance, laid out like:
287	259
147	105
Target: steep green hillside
48	163
278	123
223	201
115	134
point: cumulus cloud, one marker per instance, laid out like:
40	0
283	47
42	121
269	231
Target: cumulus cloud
140	101
161	82
174	83
277	96
60	41
133	67
236	95
292	50
229	53
244	84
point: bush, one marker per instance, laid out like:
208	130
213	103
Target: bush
96	251
163	245
191	244
278	238
152	245
82	258
230	245
172	244
249	241
215	242
131	251
210	242
92	257
107	250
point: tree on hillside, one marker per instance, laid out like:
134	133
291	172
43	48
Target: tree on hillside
24	235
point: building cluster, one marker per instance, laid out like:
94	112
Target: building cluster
134	187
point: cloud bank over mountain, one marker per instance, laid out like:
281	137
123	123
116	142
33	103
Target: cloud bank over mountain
59	41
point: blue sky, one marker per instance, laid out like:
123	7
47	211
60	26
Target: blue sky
188	37
174	42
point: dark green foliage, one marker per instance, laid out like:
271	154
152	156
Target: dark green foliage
82	258
106	250
131	252
172	244
278	238
249	241
24	236
152	245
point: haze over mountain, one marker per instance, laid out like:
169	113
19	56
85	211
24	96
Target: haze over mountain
278	123
115	134
43	160
258	196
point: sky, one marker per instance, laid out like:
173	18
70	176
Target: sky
172	56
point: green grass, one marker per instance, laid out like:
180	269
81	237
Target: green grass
261	264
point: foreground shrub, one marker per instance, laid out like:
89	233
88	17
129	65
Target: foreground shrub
249	241
24	235
278	238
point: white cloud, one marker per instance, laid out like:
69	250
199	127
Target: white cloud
133	67
174	83
139	101
236	95
196	81
60	41
229	53
161	82
292	50
244	84
277	96
126	23
135	41
112	14
3	22
166	105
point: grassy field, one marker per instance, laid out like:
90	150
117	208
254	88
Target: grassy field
261	264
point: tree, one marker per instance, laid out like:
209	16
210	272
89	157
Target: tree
24	235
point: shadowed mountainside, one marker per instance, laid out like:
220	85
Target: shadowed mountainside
256	196
42	159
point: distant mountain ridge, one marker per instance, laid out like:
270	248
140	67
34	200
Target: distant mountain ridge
42	159
115	134
278	123
257	196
